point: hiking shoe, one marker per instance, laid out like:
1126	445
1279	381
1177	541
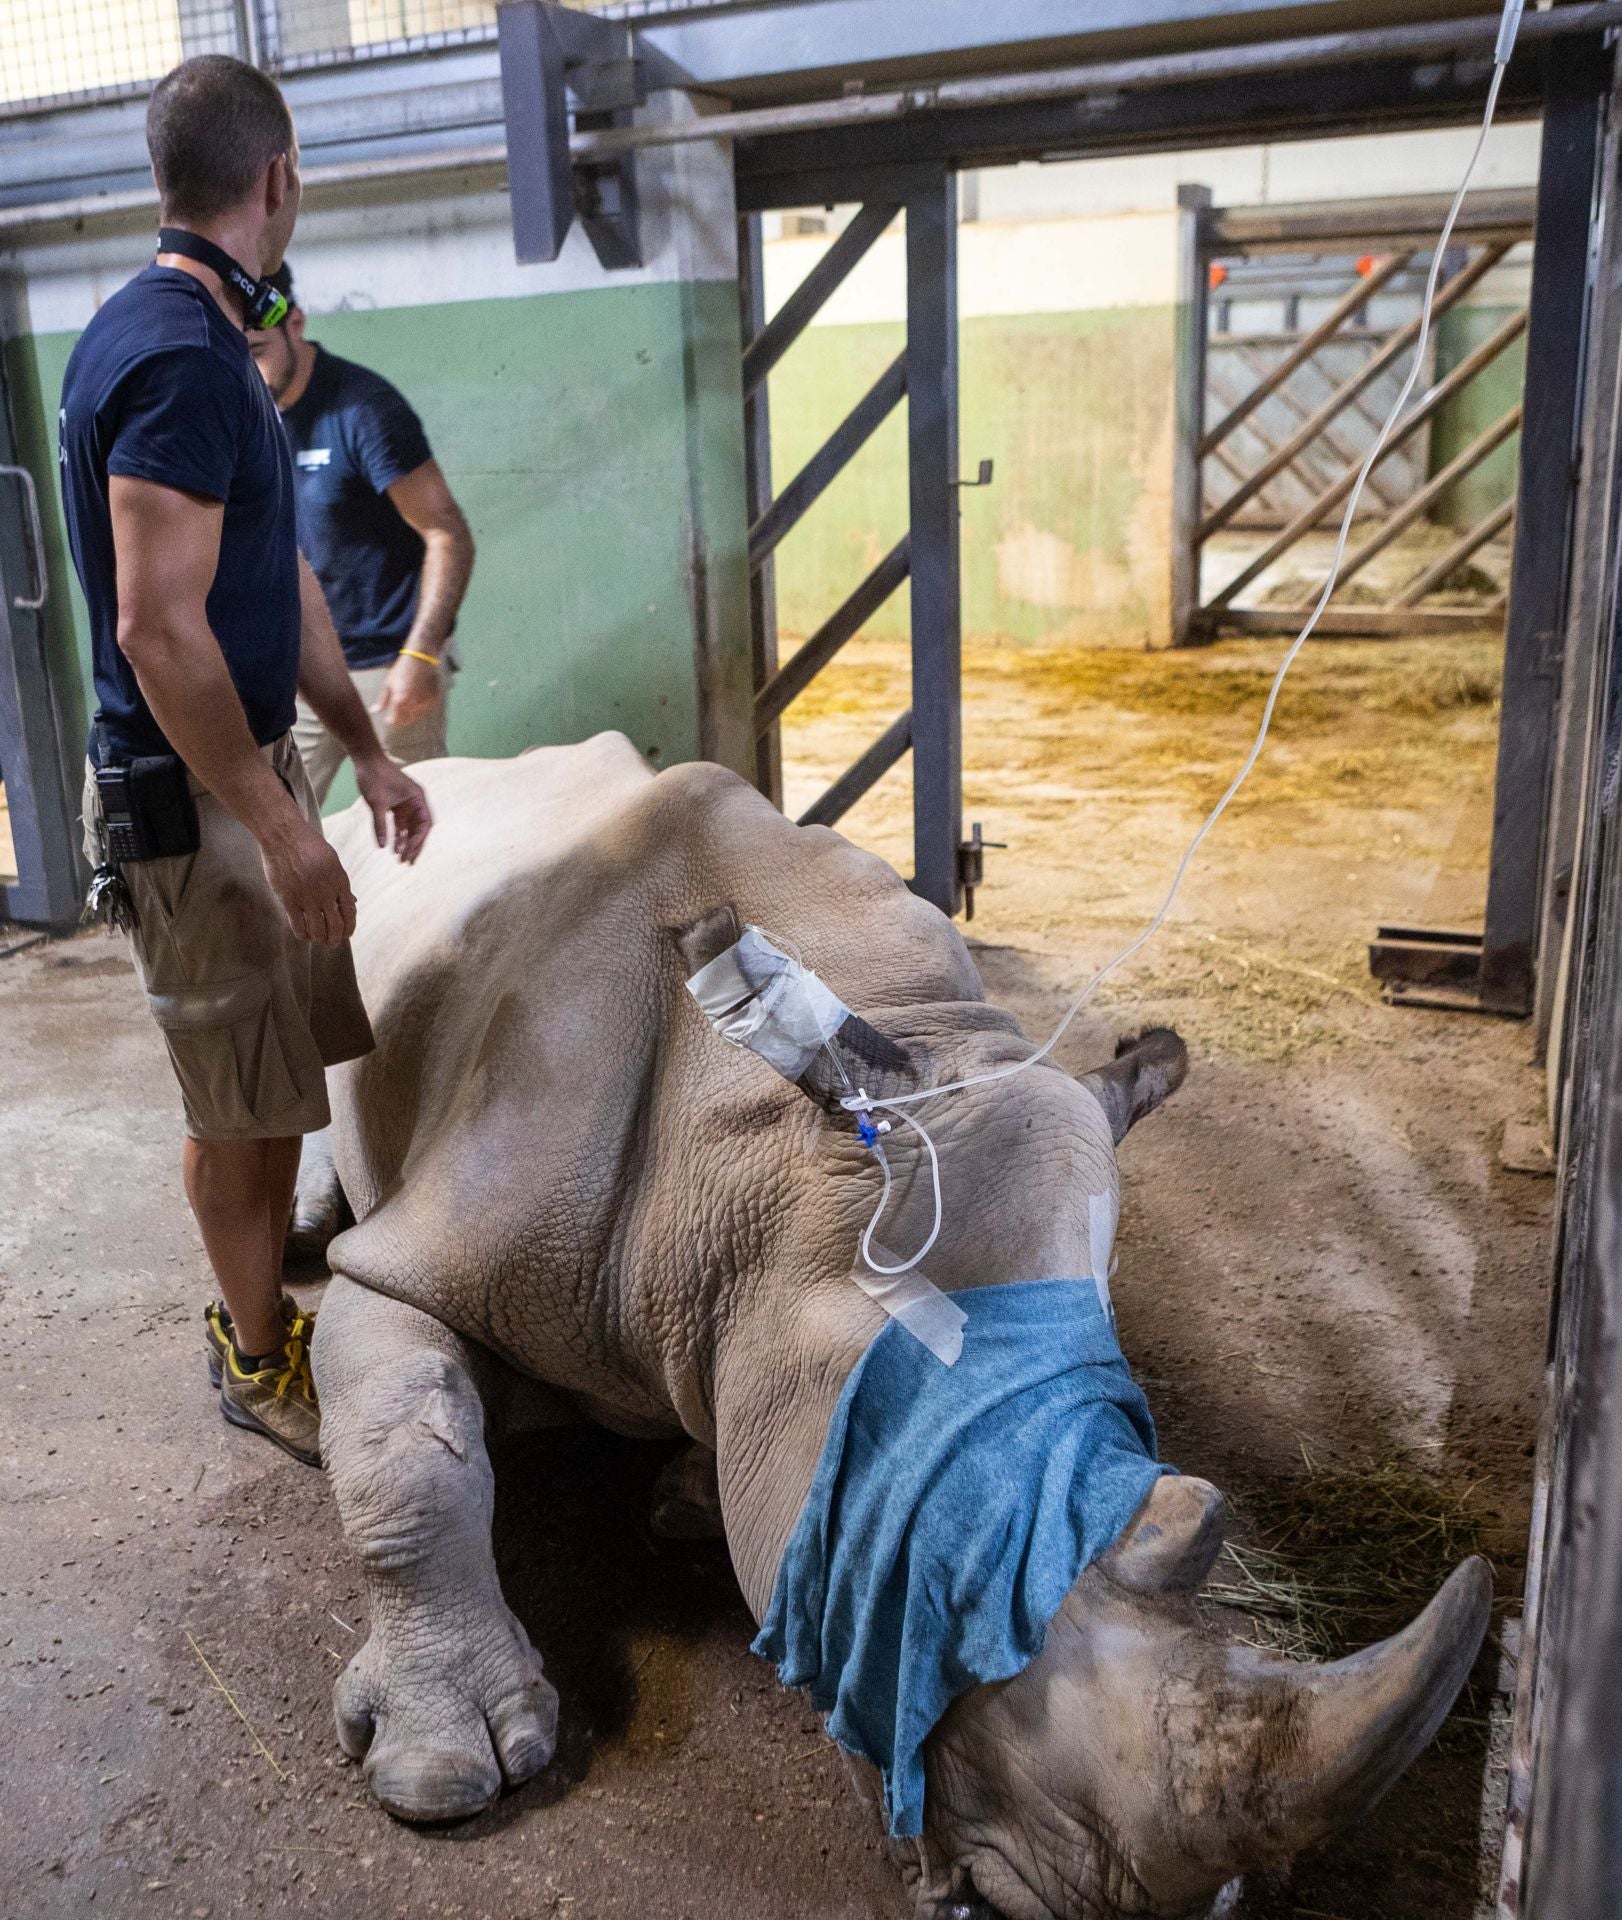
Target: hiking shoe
279	1399
217	1331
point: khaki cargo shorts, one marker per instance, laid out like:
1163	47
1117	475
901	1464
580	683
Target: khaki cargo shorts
252	1015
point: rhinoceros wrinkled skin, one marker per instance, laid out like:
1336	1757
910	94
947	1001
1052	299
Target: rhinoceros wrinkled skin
575	1201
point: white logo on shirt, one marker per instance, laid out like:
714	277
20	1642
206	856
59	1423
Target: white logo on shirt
315	457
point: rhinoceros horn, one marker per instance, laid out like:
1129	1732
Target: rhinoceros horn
1363	1720
1331	1739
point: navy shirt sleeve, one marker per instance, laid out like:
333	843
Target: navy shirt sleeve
386	437
176	419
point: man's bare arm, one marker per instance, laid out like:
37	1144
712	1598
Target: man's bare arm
427	505
325	683
167	548
323	676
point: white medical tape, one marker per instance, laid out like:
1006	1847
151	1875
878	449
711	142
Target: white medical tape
759	997
933	1318
1103	1216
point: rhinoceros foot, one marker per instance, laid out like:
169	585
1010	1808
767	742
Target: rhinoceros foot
442	1731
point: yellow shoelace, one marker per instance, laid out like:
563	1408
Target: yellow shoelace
296	1353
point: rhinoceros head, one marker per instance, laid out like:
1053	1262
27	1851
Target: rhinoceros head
1139	1763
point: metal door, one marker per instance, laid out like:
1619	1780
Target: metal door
924	374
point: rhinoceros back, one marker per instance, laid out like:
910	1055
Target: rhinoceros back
539	1067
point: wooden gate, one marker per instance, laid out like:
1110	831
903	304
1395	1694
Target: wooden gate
1310	319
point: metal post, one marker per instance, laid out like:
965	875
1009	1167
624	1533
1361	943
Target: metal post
932	447
1188	432
245	30
1593	584
42	767
1556	338
757	468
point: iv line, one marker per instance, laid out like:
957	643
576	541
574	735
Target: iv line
859	1102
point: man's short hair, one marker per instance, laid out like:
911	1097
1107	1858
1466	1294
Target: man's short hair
212	127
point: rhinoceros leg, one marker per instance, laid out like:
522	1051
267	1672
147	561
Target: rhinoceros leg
446	1700
320	1212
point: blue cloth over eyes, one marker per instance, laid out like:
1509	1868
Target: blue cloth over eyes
951	1512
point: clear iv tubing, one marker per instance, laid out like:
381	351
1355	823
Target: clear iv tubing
859	1102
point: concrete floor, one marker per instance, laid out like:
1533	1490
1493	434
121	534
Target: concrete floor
1322	1262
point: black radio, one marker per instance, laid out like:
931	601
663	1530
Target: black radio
147	809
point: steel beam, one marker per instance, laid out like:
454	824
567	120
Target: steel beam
1578	75
821	168
1406	219
932	470
1190	347
787	51
1593	598
867	772
539	175
767	346
757	478
830	459
40	768
786	686
1570	1702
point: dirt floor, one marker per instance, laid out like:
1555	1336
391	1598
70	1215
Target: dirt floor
1332	1289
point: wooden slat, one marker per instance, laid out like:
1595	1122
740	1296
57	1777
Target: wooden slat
1308	345
1355	623
1333	495
1484	530
1418	504
1366	375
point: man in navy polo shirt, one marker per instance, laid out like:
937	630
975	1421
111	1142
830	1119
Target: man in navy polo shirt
178	489
380	527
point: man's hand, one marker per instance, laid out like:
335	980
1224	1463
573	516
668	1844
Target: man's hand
391	793
411	690
308	878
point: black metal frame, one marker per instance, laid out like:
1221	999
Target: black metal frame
925	375
1563	1856
1578	81
36	762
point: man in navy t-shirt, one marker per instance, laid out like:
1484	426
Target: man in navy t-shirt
204	625
385	537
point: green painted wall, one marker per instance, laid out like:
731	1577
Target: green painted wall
1487	398
33	382
592	440
1069	543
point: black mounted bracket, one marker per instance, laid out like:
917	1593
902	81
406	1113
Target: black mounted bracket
556	61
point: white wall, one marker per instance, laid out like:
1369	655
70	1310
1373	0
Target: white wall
1369	166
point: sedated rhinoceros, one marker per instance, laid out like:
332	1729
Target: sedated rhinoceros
575	1199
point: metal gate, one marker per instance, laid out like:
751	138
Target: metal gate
924	375
41	883
1290	411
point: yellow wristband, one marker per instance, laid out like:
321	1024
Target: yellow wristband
411	653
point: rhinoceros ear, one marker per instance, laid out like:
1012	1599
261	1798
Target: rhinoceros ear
870	1058
708	937
1146	1070
866	1054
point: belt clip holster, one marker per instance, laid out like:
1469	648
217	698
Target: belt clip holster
147	808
